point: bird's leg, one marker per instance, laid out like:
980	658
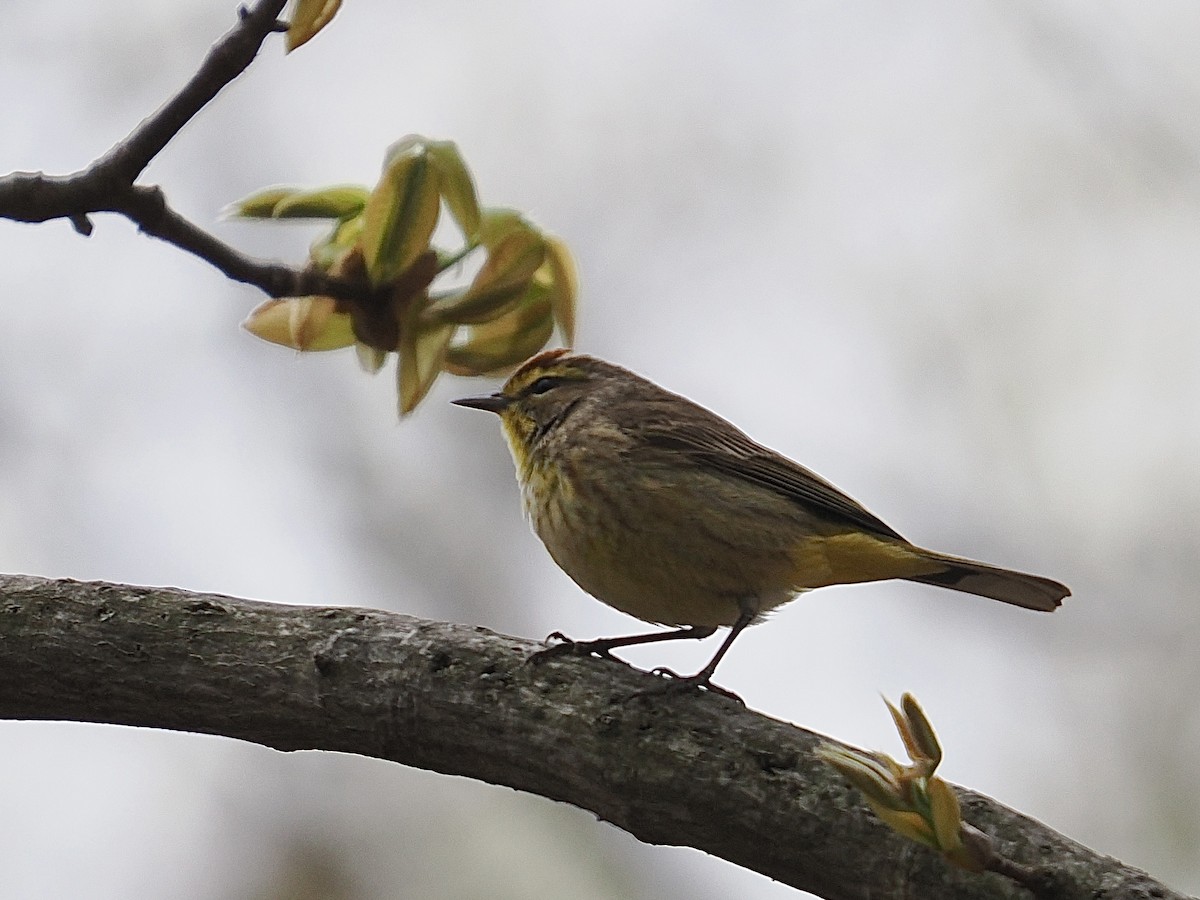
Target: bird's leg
703	678
603	647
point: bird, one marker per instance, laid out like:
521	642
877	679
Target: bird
667	512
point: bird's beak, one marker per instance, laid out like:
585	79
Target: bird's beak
491	402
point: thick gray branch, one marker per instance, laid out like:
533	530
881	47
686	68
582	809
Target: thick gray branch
695	770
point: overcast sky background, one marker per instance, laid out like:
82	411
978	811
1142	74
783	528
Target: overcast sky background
944	253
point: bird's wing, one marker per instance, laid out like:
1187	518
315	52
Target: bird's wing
711	442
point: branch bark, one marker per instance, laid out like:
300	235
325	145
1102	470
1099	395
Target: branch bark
696	770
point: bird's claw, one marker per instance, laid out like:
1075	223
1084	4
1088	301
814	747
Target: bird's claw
568	647
673	683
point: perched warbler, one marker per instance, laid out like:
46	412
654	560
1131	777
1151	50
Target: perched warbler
669	513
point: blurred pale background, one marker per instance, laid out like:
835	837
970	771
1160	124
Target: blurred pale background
945	253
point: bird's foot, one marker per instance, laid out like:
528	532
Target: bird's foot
567	647
673	683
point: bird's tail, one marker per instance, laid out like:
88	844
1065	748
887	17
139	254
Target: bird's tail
1017	588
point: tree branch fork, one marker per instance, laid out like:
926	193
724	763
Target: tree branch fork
109	185
696	770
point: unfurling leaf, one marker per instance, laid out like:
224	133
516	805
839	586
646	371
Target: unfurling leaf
945	814
370	359
422	352
921	731
339	201
260	204
901	723
499	345
302	323
457	187
564	286
497	221
909	824
309	17
872	773
401	212
271	321
504	277
920	742
338	252
317	325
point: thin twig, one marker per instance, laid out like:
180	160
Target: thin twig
147	206
228	58
107	185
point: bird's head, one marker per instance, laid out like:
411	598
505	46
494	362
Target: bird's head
540	395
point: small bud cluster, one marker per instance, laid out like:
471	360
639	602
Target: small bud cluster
524	288
911	799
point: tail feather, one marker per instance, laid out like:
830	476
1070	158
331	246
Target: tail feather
1017	588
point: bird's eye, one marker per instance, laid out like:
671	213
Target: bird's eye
542	385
